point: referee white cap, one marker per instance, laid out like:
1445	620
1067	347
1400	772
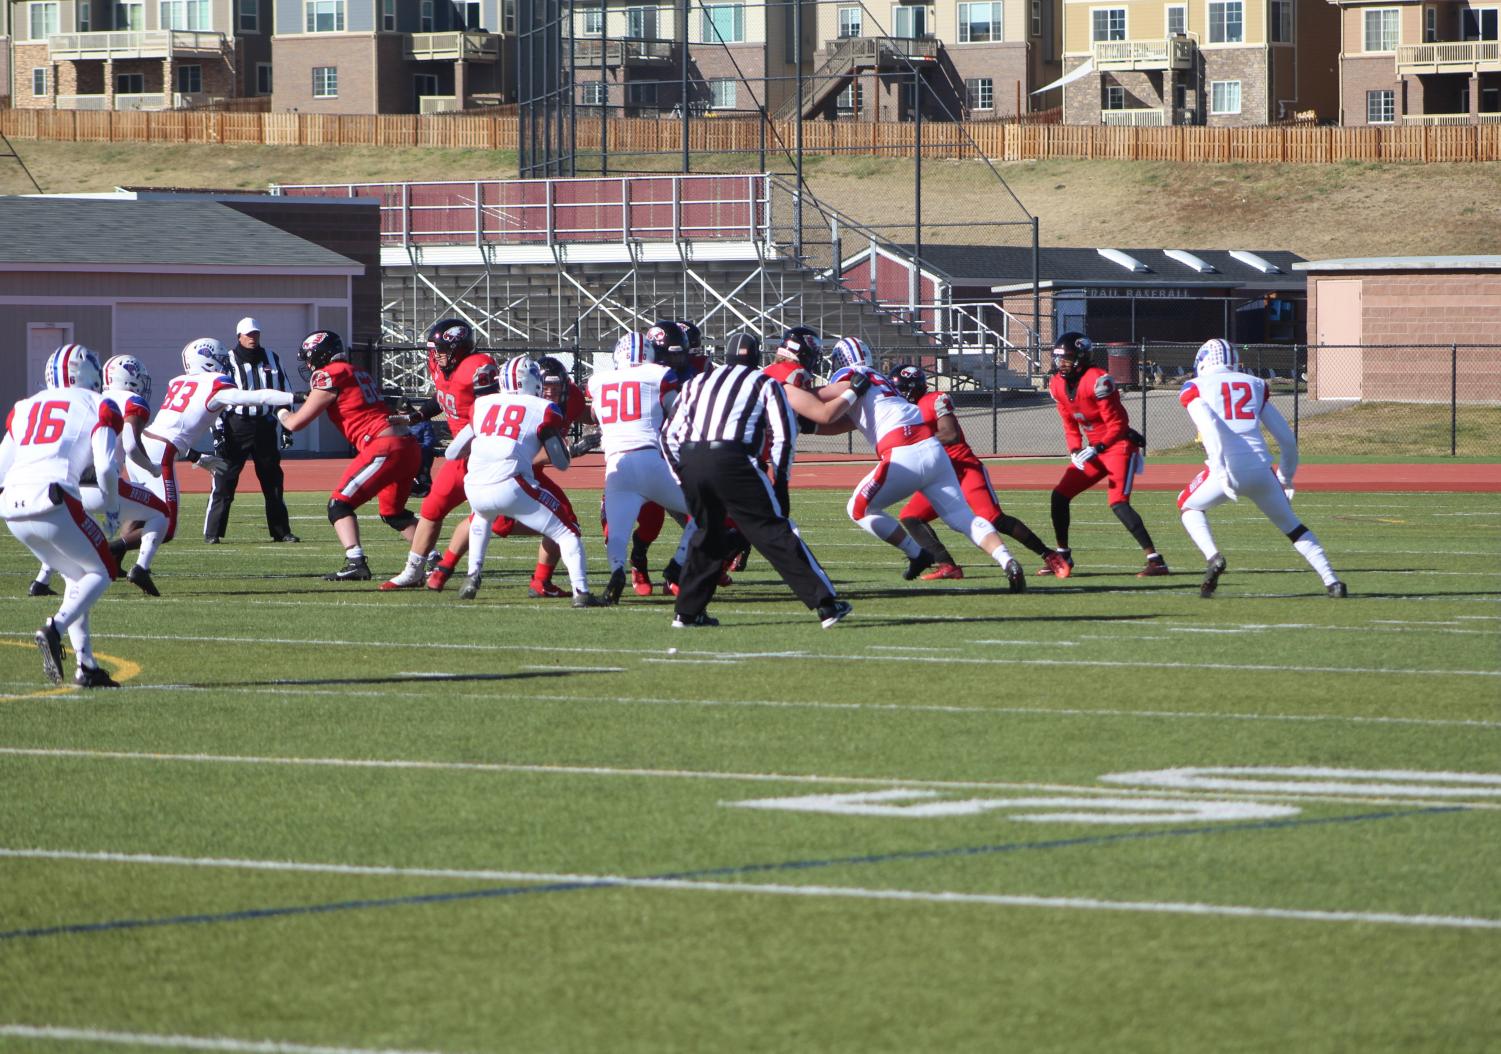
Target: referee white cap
247	325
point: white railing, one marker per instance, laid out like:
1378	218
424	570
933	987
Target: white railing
137	101
1470	56
142	101
1175	53
445	46
1133	118
82	102
1433	119
438	104
137	44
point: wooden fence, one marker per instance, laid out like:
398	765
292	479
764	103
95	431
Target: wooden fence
1002	141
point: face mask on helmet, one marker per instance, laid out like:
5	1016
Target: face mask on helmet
1071	354
451	341
668	343
850	351
204	355
127	373
74	366
693	337
803	344
520	375
743	349
1216	355
318	350
554	378
631	350
912	381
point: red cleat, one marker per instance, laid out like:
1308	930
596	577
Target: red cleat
1058	563
544	589
640	583
438	578
944	571
1156	567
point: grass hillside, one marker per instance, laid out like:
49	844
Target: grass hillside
1319	211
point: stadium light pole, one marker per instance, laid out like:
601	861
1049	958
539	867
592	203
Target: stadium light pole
797	131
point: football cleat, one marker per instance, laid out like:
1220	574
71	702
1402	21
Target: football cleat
537	589
290	539
670	575
470	588
50	643
916	565
1057	562
587	600
943	571
94	677
1213	568
702	620
140	577
1337	590
1156	568
434	561
117	550
740	559
40	589
1016	578
437	578
640	583
724	574
352	571
615	586
829	614
410	578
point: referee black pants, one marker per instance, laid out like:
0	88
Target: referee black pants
722	479
249	438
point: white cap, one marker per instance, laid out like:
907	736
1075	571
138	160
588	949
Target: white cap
247	325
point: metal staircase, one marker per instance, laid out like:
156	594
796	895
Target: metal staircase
848	57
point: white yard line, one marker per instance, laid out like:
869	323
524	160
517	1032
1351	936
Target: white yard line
148	1039
848	892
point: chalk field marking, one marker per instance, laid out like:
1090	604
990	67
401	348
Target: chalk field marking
148	1039
922	805
850	892
1390	783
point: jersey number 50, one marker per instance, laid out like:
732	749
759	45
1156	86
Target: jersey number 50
620	401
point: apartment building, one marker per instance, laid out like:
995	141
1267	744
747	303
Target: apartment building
137	54
740	57
1433	62
392	56
6	89
1222	63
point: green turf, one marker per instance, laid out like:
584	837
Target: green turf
507	758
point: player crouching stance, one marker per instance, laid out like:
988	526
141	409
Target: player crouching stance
388	457
1230	407
510	430
50	439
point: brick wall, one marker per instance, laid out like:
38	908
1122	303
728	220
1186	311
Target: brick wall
1005	65
1362	74
27	58
349	53
1081	98
1247	65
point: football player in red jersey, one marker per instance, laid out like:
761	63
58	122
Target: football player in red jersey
938	412
1101	445
459	374
386	458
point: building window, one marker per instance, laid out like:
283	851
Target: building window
425	19
388	16
1227	22
847	102
508	16
189	80
1477	23
723	24
325	16
1224	97
1107	23
1037	18
325	82
851	21
593	22
85	16
1115	97
593	93
250	16
911	23
1177	20
185	14
470	12
1281	22
1381	107
722	94
641	23
979	93
1430	25
263	78
39	82
1381	29
43	20
641	93
130	84
980	22
131	16
424	85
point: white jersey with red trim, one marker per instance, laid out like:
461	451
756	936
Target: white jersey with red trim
188	409
882	410
134	411
629	406
1238	400
508	430
51	438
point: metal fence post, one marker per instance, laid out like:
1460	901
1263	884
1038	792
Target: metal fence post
1298	371
1453	400
1140	369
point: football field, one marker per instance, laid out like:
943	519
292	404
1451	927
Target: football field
1102	815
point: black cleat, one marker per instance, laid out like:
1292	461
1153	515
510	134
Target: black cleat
117	550
587	600
140	577
50	643
703	620
829	614
1213	568
1337	590
40	589
916	565
615	586
289	537
94	677
1016	578
212	541
352	571
470	589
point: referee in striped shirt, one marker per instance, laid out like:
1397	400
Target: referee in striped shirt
713	436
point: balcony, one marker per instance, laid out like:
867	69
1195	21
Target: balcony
1434	119
476	46
138	101
1133	118
134	44
438	104
1170	53
593	52
1471	56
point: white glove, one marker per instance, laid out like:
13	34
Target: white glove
1083	456
1287	485
210	463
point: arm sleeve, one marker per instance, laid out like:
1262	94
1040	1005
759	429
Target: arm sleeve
458	446
253	397
1287	443
106	471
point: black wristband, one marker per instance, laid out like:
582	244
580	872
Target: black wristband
193	456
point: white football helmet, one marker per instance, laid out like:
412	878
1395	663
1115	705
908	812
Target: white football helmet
1216	355
204	355
632	350
521	375
128	373
74	366
850	351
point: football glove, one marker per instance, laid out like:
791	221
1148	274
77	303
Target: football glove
585	443
859	382
112	524
1287	485
287	439
1083	456
211	463
221	441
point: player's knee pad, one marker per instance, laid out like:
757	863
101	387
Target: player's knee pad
339	510
980	529
401	521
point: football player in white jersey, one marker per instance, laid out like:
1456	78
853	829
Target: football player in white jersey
912	461
1230	409
510	431
630	403
50	439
